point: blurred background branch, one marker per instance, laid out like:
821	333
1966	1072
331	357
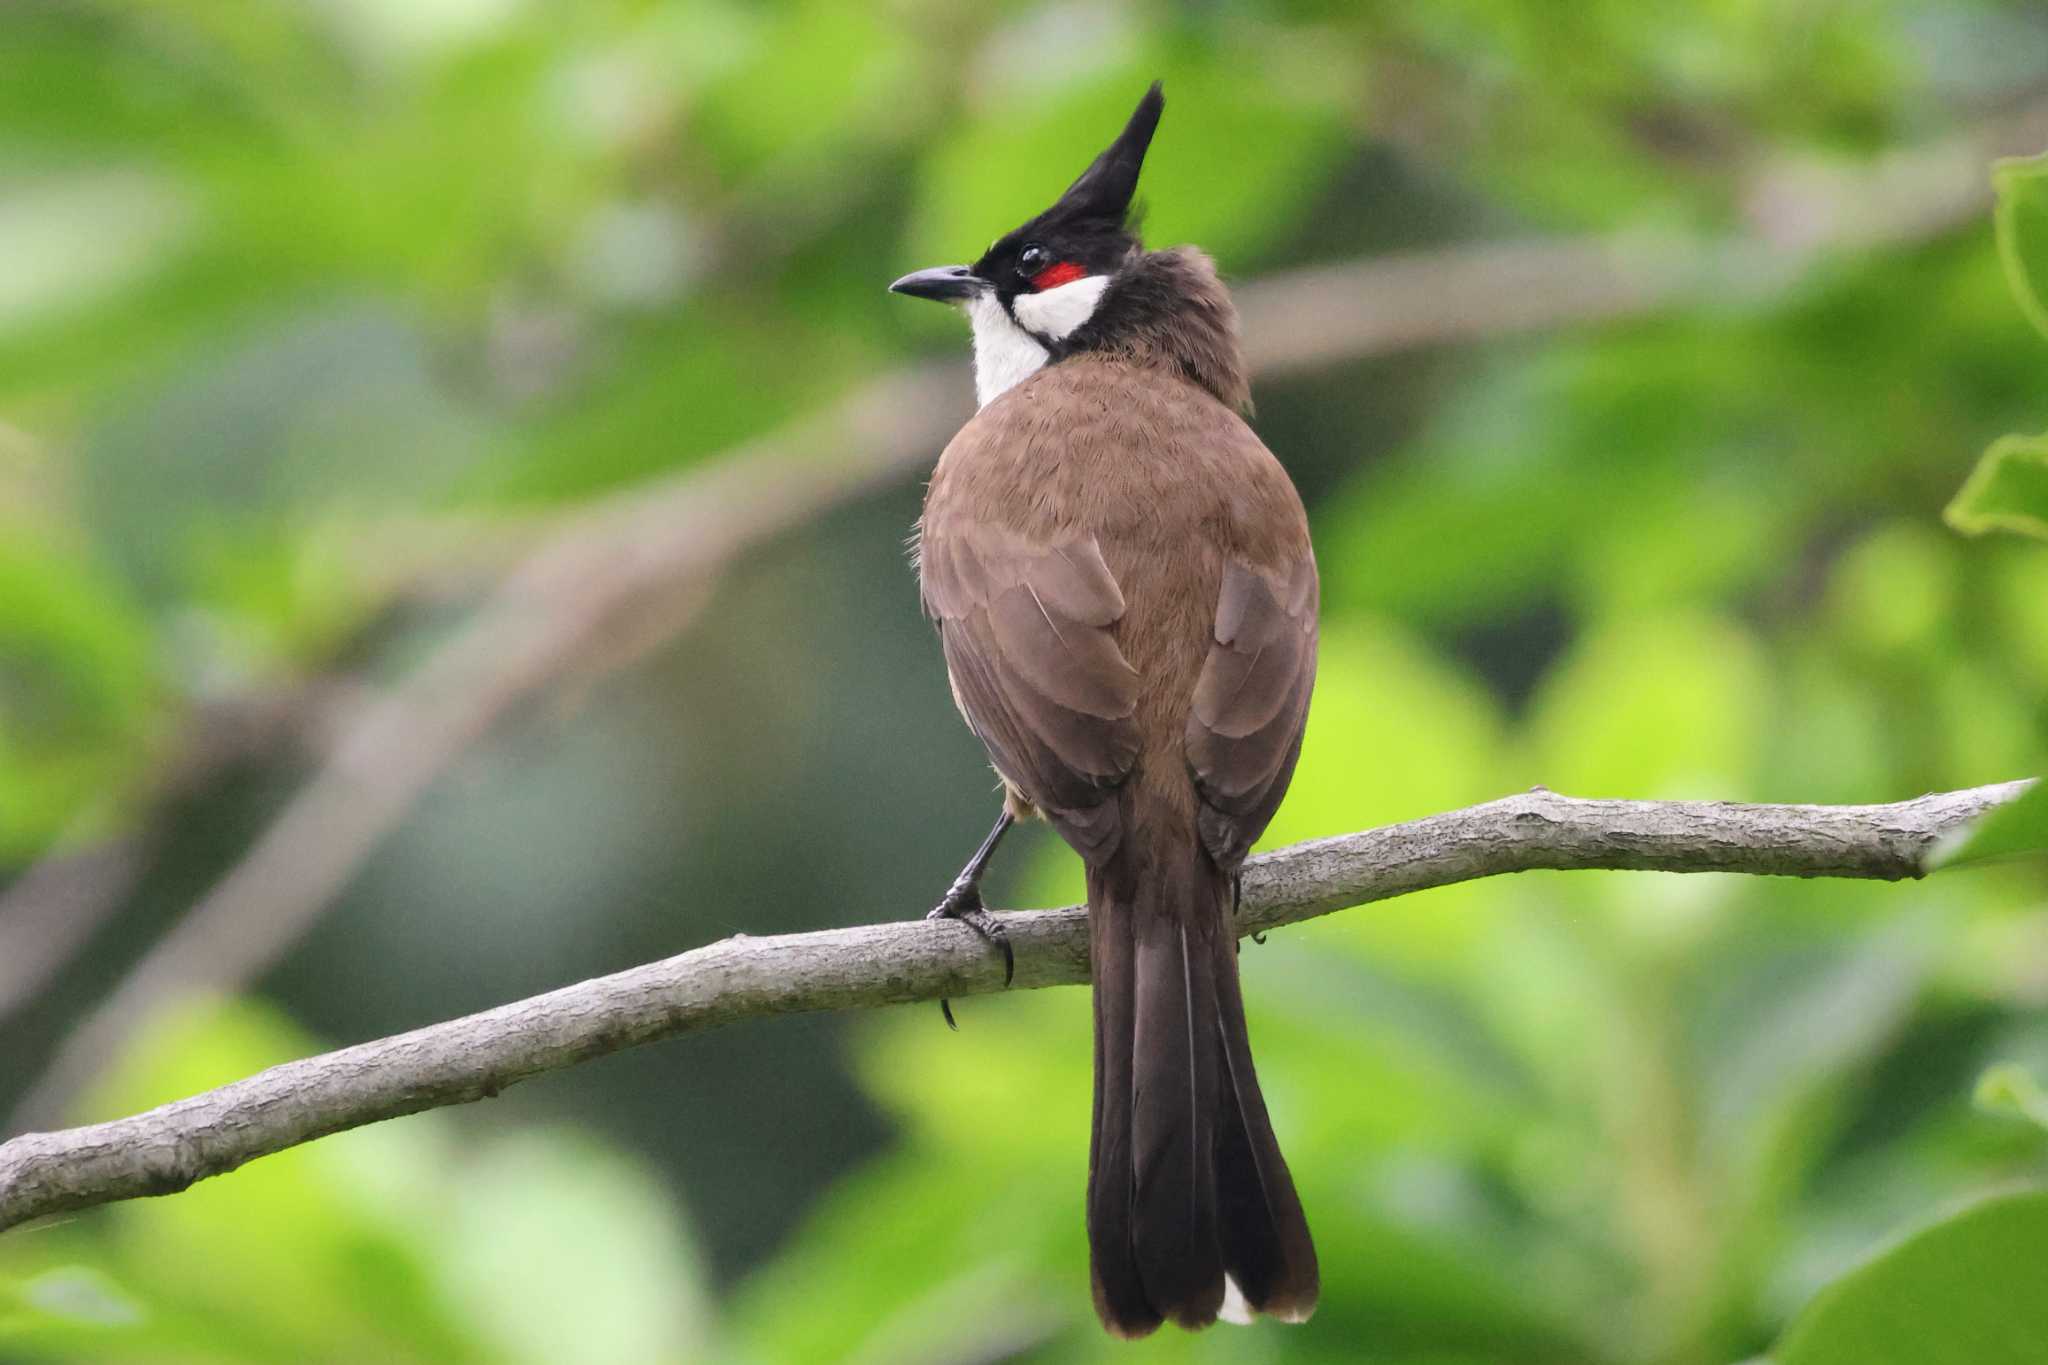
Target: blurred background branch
168	1149
50	911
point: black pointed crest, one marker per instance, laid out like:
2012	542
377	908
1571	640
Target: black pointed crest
1103	191
1089	225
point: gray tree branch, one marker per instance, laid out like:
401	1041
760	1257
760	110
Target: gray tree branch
168	1148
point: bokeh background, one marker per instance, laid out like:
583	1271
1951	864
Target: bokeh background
455	457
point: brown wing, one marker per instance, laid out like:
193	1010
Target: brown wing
1251	701
1035	669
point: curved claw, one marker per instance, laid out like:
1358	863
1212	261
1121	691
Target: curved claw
991	929
962	902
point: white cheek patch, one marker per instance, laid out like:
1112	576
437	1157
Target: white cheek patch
1057	312
1004	353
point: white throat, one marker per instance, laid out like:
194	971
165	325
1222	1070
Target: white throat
1005	353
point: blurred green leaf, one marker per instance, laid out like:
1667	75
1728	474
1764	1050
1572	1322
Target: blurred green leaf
1791	1035
77	1296
1395	731
825	78
2022	218
77	688
2007	491
294	1248
2018	827
1967	1288
2018	595
390	1243
922	1216
70	242
1669	705
2011	1089
1893	589
564	1251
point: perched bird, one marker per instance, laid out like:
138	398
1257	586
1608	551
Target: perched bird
1123	585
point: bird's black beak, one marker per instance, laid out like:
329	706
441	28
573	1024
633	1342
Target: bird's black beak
942	284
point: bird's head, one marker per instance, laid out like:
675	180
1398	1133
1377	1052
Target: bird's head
1033	293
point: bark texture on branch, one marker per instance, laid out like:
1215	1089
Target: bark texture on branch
168	1148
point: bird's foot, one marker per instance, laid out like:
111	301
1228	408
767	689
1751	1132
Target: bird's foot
962	902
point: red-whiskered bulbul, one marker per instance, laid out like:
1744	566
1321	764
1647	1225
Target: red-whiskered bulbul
1122	581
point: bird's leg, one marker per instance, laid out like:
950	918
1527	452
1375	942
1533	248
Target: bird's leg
1237	906
962	901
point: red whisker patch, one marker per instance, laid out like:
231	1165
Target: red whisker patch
1053	276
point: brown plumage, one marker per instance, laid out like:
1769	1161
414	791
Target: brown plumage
1123	584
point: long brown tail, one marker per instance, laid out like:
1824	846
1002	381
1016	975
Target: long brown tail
1186	1183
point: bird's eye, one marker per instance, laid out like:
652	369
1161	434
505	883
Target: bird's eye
1033	259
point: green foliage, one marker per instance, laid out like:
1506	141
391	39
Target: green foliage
1652	707
1967	1288
2017	827
306	312
2022	219
78	708
2011	1089
2007	491
404	1242
72	1307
